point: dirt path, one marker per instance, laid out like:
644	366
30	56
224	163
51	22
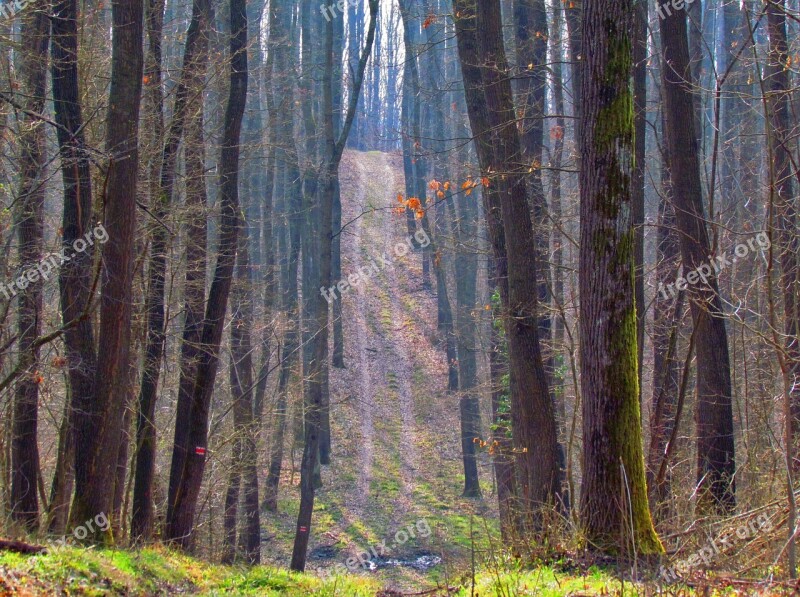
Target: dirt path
396	454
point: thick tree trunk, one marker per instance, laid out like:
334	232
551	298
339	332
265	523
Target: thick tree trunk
614	507
716	463
30	228
181	507
99	433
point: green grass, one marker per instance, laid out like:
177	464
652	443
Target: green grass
158	571
545	582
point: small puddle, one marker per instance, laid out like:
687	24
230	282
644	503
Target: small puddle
421	563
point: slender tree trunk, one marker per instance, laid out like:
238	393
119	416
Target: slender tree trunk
181	508
667	316
144	456
785	206
716	464
29	220
559	333
191	82
75	275
638	175
288	189
533	419
332	152
336	273
63	477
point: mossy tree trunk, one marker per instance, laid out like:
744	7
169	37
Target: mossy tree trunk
614	509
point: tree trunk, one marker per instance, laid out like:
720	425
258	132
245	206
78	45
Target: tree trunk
288	194
667	317
614	508
194	284
716	463
75	275
191	82
784	206
533	419
99	433
317	374
29	220
181	508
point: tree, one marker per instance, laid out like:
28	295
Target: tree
185	484
716	463
29	219
191	82
491	113
614	509
100	434
75	277
333	147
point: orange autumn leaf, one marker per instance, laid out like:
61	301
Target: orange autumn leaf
447	186
429	21
420	213
399	197
440	195
413	203
485	181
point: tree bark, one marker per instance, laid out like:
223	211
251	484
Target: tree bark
614	509
99	433
75	275
716	463
29	220
784	206
533	419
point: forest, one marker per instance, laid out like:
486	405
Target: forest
399	297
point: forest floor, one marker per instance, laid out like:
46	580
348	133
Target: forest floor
392	493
